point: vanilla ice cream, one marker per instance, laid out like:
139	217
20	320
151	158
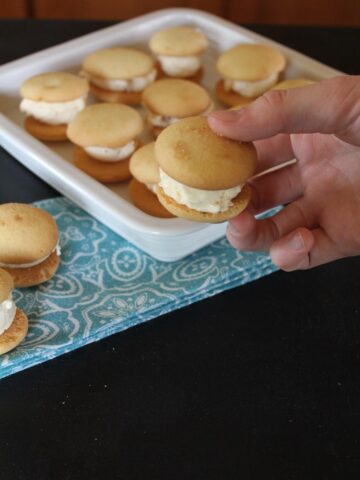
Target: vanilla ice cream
161	120
53	113
7	314
210	201
106	154
57	249
135	84
251	89
183	66
164	121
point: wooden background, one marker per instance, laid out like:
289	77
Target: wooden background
289	12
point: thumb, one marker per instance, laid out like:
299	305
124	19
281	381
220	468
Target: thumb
330	106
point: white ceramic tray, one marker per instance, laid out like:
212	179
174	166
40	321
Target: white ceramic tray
164	239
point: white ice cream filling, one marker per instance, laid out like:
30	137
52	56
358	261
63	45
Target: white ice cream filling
164	121
251	89
7	314
183	66
106	154
57	249
53	113
209	201
135	84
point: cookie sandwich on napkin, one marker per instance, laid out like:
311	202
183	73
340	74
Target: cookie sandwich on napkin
202	175
106	137
178	51
13	321
50	101
29	244
247	71
119	74
145	170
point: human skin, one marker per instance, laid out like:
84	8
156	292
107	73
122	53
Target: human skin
319	125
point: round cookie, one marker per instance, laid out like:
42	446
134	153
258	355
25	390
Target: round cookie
16	332
117	63
143	164
28	244
191	153
178	41
54	87
48	91
174	98
201	164
145	170
250	62
103	172
293	83
257	67
44	131
106	126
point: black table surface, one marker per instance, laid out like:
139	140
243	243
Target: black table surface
260	380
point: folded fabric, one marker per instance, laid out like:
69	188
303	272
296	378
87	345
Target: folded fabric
105	285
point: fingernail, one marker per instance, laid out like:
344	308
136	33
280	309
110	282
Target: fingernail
225	116
295	242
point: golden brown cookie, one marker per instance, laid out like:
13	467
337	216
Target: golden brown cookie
250	62
29	277
15	334
27	234
104	172
54	87
146	200
191	153
240	202
178	41
44	131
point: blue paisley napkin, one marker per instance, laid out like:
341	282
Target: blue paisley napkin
105	285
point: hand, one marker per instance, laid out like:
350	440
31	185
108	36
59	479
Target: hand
319	125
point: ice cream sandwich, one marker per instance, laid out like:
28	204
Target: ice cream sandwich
13	321
169	100
106	137
119	75
29	244
179	50
202	175
247	71
145	170
50	101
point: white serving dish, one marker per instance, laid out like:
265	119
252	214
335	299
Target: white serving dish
164	239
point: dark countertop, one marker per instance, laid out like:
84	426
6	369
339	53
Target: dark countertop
262	379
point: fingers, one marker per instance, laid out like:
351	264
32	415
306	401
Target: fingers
276	188
273	151
303	249
330	106
248	234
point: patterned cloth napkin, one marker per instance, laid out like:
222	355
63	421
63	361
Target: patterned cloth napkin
105	285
